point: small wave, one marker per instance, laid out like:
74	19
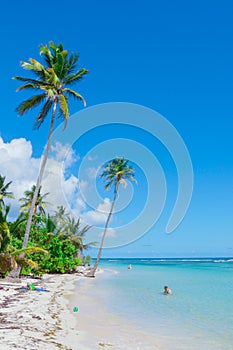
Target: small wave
196	260
159	260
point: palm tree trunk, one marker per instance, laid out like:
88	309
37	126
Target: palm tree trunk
39	180
38	184
93	270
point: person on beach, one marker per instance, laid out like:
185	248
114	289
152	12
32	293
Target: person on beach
129	267
167	290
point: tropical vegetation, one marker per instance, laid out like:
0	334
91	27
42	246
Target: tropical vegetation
56	243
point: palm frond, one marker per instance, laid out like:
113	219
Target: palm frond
53	78
32	81
71	64
59	65
29	86
74	78
75	95
30	103
64	110
43	114
31	263
48	57
29	250
36	67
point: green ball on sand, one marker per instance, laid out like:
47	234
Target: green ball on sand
75	309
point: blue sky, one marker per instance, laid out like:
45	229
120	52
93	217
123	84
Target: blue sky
175	58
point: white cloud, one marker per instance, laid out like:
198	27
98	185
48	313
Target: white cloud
111	233
64	153
92	172
20	167
98	216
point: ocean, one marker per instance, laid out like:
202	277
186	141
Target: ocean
197	316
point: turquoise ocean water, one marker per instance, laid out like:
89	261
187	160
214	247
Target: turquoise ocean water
199	313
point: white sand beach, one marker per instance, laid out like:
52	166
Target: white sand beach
38	320
32	320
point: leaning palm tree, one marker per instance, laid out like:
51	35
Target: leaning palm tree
51	83
4	193
116	172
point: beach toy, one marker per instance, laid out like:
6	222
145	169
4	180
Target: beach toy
75	309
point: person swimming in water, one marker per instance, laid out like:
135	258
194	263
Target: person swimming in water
167	290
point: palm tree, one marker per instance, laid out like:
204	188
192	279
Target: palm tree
116	172
51	81
40	204
71	229
4	193
60	216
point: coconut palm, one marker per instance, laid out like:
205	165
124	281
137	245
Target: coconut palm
60	216
116	172
4	193
51	85
40	205
71	229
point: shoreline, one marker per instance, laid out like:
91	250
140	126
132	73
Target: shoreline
32	320
104	329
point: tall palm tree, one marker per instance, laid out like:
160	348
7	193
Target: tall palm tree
51	81
116	172
4	193
40	204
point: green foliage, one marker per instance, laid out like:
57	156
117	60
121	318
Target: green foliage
55	245
4	193
40	204
117	171
52	78
5	235
61	254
